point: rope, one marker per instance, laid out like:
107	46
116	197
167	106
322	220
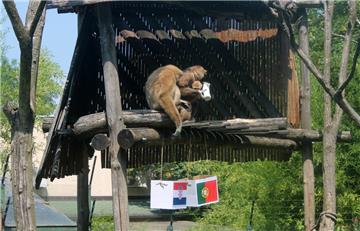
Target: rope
161	159
328	214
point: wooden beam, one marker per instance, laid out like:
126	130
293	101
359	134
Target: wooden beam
309	135
94	123
83	210
305	120
68	5
114	117
150	136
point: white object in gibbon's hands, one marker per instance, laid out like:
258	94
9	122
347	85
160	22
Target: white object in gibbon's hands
205	91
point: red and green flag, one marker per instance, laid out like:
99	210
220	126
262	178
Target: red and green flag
202	192
207	192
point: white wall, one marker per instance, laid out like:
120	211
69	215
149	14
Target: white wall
65	187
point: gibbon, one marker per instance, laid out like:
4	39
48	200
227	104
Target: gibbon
189	83
162	93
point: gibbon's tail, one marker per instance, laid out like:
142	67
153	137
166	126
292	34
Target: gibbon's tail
169	107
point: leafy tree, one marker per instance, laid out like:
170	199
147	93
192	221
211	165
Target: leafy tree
49	85
22	117
347	155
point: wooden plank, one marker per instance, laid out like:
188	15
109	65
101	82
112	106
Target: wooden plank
293	102
114	117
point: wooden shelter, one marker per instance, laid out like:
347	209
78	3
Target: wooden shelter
247	58
254	113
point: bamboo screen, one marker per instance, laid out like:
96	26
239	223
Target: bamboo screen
247	69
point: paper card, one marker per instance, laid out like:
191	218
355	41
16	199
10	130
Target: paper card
168	194
202	192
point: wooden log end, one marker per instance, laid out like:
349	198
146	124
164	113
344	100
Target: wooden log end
100	142
126	138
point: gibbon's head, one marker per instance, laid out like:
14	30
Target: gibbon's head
198	71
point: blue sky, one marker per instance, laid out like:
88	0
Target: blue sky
59	35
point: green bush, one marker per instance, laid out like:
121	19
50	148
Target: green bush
104	223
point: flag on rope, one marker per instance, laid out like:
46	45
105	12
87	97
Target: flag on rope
202	192
179	193
168	194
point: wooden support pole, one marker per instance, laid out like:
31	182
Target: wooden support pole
308	166
83	209
114	116
149	136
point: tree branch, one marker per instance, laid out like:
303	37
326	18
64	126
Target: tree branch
37	36
345	59
328	16
10	110
347	43
343	103
16	21
33	18
352	72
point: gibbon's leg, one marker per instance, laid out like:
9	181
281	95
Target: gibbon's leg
168	105
184	114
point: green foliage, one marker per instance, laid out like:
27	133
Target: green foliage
49	83
275	188
103	223
8	91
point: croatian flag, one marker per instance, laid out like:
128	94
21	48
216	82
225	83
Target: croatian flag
179	199
168	194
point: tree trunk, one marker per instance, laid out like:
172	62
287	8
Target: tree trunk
329	144
22	119
332	120
22	146
21	177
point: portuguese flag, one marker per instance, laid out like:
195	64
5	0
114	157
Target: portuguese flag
207	191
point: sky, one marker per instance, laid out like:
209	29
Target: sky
59	35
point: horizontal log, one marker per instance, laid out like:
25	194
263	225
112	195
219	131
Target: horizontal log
96	123
92	124
68	5
309	135
150	136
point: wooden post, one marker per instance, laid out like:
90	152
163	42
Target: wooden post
83	210
308	166
113	116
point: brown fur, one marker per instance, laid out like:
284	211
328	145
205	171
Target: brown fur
190	75
197	85
162	93
189	83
